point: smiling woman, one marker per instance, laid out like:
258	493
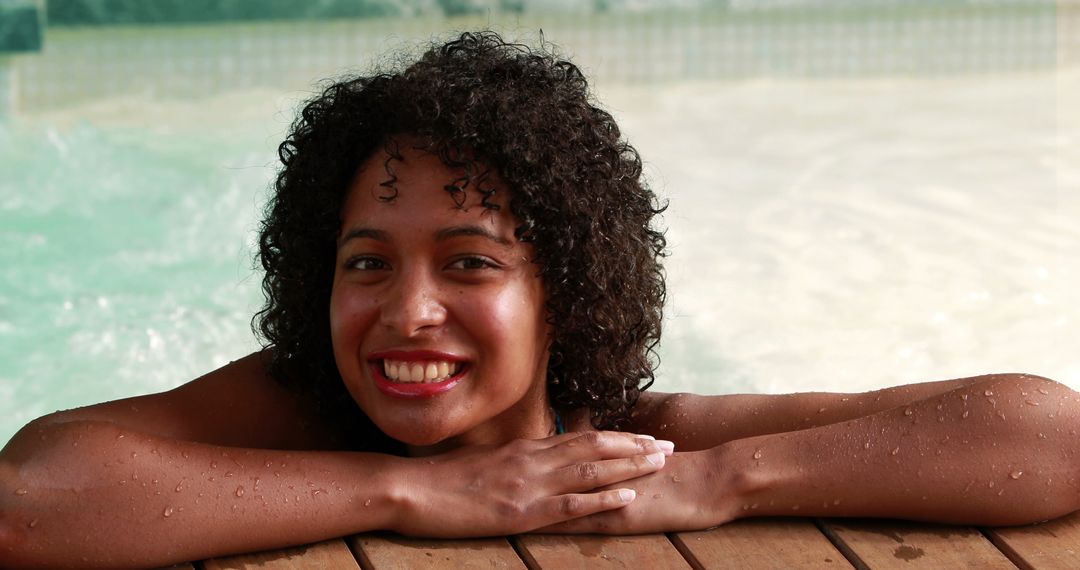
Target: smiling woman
460	261
426	286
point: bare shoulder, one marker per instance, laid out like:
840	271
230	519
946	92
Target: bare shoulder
239	404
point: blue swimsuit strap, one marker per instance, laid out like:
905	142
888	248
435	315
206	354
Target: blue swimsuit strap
559	429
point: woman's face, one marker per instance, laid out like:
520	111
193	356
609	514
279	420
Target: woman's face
437	311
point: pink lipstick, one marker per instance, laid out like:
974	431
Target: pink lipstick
421	389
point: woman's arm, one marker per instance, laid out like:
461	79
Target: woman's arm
994	450
205	470
696	422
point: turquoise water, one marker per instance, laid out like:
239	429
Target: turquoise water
835	233
126	259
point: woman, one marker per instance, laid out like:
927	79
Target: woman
460	266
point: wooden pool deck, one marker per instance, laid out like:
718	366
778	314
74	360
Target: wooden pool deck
752	543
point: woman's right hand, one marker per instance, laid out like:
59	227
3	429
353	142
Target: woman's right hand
524	484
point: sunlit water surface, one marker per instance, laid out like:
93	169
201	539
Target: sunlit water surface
824	235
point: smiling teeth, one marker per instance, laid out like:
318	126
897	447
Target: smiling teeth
433	371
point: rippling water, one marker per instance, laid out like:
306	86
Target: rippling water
833	234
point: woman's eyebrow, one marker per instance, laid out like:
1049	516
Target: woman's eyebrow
470	230
358	233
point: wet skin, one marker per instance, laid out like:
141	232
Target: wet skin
420	280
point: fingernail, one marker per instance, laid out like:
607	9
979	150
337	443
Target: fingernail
655	458
627	495
643	436
668	447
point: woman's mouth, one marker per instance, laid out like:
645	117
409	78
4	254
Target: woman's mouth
416	377
426	372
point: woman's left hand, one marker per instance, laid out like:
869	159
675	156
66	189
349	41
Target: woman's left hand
692	492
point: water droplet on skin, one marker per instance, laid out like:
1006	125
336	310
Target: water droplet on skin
991	484
269	463
240	491
866	445
122	481
155	481
32	523
228	474
185	454
1001	415
657	495
121	436
167	512
21	491
964	397
367	503
821	410
1031	402
895	450
941	419
908	411
757	454
180	485
965	414
675	479
1016	474
213	464
988	393
134	454
1042	436
844	399
1044	392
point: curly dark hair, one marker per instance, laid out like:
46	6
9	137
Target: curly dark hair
575	186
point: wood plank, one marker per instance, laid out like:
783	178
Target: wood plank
594	552
331	554
386	551
885	544
1053	544
761	543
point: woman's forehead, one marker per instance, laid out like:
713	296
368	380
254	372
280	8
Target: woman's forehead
402	185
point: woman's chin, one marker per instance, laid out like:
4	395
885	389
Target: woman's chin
418	435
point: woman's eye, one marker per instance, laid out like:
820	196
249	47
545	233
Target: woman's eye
472	262
367	264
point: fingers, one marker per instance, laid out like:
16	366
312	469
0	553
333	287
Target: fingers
562	509
589	475
566	449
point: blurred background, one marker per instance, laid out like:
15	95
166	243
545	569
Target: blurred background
863	192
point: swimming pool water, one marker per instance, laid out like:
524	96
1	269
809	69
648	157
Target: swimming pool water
840	234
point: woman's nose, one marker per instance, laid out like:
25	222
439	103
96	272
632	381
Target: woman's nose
414	306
